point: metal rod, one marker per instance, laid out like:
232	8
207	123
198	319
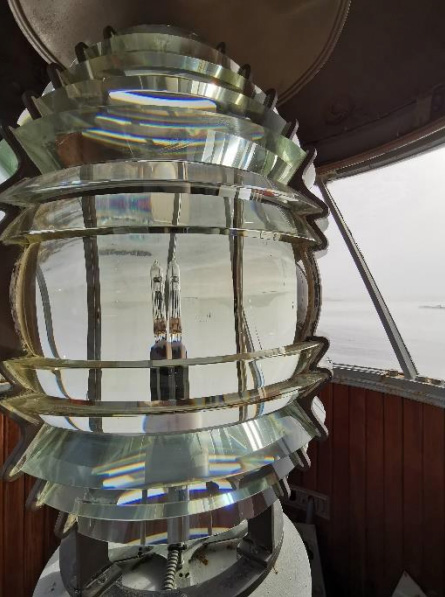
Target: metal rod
94	335
392	331
236	244
49	327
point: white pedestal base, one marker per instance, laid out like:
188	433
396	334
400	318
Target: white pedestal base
290	576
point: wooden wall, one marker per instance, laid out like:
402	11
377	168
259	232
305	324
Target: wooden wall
383	468
26	538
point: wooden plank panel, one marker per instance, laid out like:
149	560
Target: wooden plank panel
357	489
2	515
393	480
309	480
13	518
324	468
374	494
324	484
412	488
34	529
51	542
339	540
433	500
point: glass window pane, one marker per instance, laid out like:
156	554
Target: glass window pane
348	317
396	214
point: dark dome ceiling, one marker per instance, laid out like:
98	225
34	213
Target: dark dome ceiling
383	80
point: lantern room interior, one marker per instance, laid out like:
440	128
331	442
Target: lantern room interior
222	304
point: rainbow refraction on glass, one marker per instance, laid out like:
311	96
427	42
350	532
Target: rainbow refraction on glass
166	295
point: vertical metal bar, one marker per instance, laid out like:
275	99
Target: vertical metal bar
403	356
94	335
177	204
47	315
236	244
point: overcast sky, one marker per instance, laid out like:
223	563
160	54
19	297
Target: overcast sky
397	215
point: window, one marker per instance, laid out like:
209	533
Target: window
348	317
396	215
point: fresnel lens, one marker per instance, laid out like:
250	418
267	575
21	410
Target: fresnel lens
165	295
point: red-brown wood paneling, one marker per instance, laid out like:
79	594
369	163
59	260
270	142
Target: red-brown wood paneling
412	487
2	501
383	468
26	538
433	499
339	541
393	481
375	509
357	493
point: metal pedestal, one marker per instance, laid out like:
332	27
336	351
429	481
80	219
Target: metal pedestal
290	575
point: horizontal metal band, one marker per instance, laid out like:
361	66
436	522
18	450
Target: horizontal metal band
44	363
43	235
156	417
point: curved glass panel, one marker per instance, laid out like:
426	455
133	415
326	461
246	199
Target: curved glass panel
129	462
156	28
163	502
157	42
142	291
148	62
83	136
156	211
159	90
176	530
142	264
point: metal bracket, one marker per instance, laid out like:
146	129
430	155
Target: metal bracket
264	535
85	567
87	571
300	499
